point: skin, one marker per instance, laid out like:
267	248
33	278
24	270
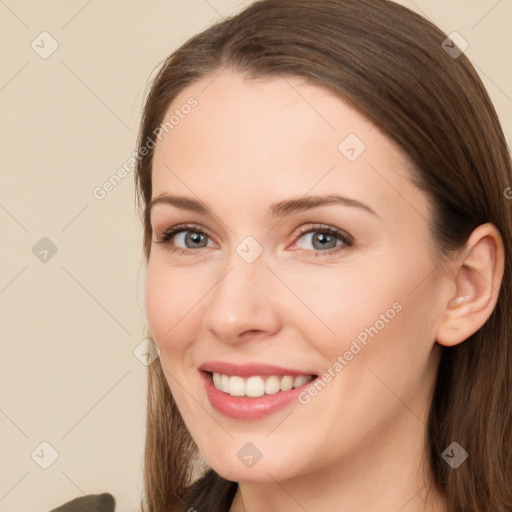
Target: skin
358	444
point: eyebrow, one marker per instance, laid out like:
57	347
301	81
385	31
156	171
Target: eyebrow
279	209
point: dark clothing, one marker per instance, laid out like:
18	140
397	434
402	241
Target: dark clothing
91	503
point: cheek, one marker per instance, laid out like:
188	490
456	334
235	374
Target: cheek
158	300
344	300
385	306
385	340
173	300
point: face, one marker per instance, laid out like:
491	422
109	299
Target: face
271	285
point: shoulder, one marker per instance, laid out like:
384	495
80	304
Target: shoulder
90	503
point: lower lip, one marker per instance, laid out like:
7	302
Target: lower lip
245	408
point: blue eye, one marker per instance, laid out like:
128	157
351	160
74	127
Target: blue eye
326	240
188	234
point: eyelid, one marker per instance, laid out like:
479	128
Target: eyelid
347	240
180	228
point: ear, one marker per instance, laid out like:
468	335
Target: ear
477	276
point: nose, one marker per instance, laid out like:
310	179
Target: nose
243	304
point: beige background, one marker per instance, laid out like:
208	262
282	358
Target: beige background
70	324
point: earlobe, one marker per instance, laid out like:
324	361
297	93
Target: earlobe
478	273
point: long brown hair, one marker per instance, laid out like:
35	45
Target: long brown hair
391	65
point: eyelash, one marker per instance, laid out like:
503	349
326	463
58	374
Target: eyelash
347	240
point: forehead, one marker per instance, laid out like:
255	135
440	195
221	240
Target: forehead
275	137
260	114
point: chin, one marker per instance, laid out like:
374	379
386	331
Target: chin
243	461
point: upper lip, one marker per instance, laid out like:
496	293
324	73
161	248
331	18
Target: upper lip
249	369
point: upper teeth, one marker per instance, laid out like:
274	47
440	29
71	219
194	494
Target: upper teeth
257	386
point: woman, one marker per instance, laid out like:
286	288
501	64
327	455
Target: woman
325	195
362	99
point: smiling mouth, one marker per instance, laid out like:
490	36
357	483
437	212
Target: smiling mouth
257	385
